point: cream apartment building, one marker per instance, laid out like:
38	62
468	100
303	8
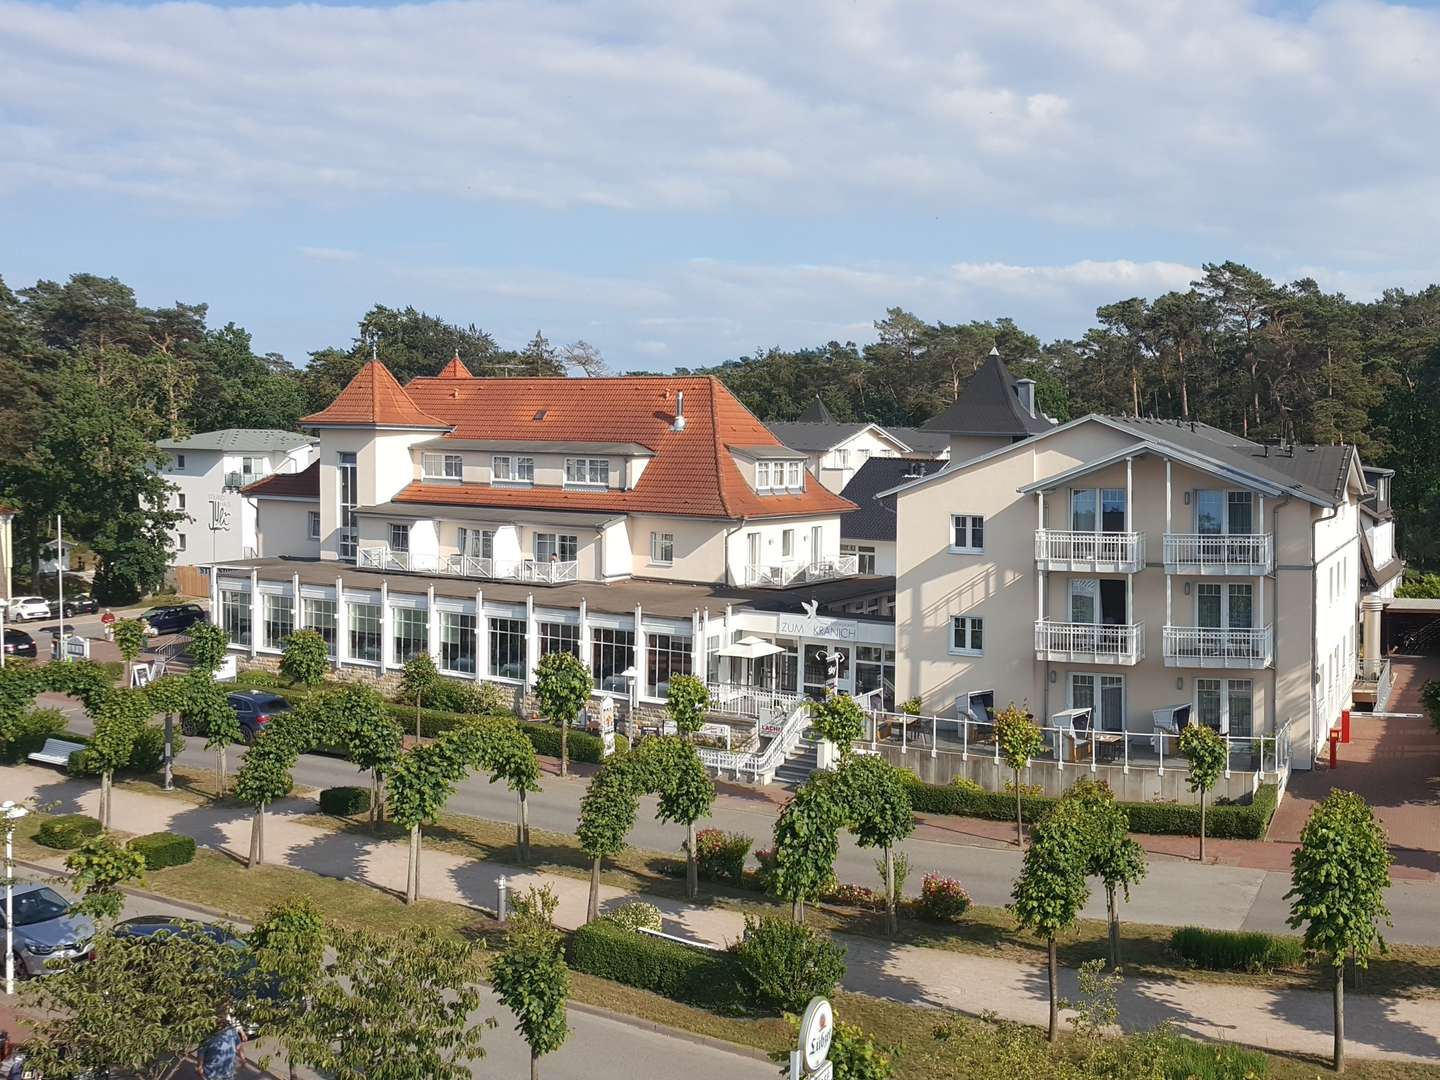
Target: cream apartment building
1135	566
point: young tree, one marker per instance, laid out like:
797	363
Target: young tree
607	814
207	711
264	776
839	719
418	682
1020	740
877	808
306	659
288	947
1114	858
208	645
687	703
355	715
686	794
120	716
1208	758
806	841
422	781
562	686
1051	889
530	977
1338	878
395	1007
130	640
98	868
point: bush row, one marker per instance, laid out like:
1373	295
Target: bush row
1231	821
67	831
1235	950
163	849
344	801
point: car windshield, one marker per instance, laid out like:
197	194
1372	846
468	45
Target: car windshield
39	906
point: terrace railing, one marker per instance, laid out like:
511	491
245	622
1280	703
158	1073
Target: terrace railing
1219	553
1207	647
1116	552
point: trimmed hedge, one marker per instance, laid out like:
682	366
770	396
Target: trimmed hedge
163	849
694	976
1226	822
1235	950
583	746
344	801
67	831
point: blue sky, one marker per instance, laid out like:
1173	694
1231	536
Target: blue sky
681	183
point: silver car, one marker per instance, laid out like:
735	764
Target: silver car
45	930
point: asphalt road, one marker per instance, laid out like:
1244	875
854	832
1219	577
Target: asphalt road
1176	892
599	1047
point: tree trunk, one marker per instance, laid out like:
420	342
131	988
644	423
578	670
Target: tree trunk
534	1065
692	867
417	718
105	799
169	751
1054	992
1114	928
797	914
522	829
220	773
412	881
374	800
1202	825
1339	1019
377	800
257	838
564	749
592	909
1019	814
889	891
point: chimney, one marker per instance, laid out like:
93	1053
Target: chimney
1025	389
679	422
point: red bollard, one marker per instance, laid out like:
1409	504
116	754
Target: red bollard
1334	747
1345	726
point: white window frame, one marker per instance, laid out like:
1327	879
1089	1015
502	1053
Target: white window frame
1224	690
512	469
971	521
1097	684
662	549
180	541
587	472
779	475
864	556
787	543
970	626
1225	588
842	459
395	529
179	461
446	462
312	524
556	541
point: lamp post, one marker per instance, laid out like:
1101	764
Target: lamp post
12	813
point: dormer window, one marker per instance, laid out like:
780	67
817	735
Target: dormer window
778	476
509	469
441	467
589	472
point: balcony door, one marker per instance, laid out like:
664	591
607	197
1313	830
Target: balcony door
1224	607
1220	513
1097	510
1098	601
1103	694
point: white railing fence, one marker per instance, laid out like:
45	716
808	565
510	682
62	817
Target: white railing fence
759	703
760	765
1123	642
793	572
539	571
1219	646
1219	549
1055	545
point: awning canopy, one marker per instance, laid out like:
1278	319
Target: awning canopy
750	648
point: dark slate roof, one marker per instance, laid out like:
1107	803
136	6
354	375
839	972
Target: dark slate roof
816	413
812	436
924	443
1315	470
875	518
989	405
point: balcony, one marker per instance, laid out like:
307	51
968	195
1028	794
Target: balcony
531	571
1204	647
1093	552
1090	643
785	574
234	481
1219	553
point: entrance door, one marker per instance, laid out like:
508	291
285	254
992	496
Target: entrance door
819	666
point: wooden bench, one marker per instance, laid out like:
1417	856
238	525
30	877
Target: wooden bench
56	752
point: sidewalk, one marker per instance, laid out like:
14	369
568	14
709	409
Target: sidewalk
1292	1021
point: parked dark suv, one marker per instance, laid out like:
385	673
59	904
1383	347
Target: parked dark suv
19	643
174	619
255	709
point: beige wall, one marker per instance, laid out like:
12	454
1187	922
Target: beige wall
699	547
283	528
965	447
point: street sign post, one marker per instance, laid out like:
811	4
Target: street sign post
810	1060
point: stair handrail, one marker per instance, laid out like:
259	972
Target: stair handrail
763	762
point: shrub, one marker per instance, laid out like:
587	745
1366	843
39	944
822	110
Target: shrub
783	965
67	831
851	895
82	763
259	679
148	753
583	746
1430	698
635	916
1234	950
721	855
306	658
163	849
1027	791
942	898
965	784
27	733
344	801
856	1056
691	975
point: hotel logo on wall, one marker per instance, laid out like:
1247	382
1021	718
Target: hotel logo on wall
811	625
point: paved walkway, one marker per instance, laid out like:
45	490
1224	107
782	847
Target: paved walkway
1293	1021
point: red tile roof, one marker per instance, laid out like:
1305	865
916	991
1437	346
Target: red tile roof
373	398
692	472
455	369
302	485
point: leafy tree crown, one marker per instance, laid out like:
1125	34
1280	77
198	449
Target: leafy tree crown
306	659
1207	753
1338	878
1020	738
562	686
840	719
687	703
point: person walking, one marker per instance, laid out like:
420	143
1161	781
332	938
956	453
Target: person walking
221	1054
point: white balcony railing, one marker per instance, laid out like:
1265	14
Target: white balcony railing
1116	552
783	574
1095	643
535	571
1219	553
1206	647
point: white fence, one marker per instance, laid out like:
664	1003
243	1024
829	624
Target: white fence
782	574
537	571
1246	553
1198	646
1061	549
1090	642
759	765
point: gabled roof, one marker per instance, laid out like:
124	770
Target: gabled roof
455	369
875	517
814	437
691	471
989	405
816	413
302	485
239	440
928	443
373	399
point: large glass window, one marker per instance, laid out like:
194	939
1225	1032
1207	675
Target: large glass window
587	471
508	469
1104	695
1207	701
967	635
409	630
1240	508
875	670
364	631
1082	511
477	543
457	642
279	617
967	532
611	652
668	655
441	466
507	648
556	547
235	616
778	671
559	637
349	492
319	615
1241	705
662	548
399	537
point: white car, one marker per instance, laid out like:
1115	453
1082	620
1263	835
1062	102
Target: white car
22	608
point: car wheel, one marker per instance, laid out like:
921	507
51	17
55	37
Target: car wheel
21	971
250	734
